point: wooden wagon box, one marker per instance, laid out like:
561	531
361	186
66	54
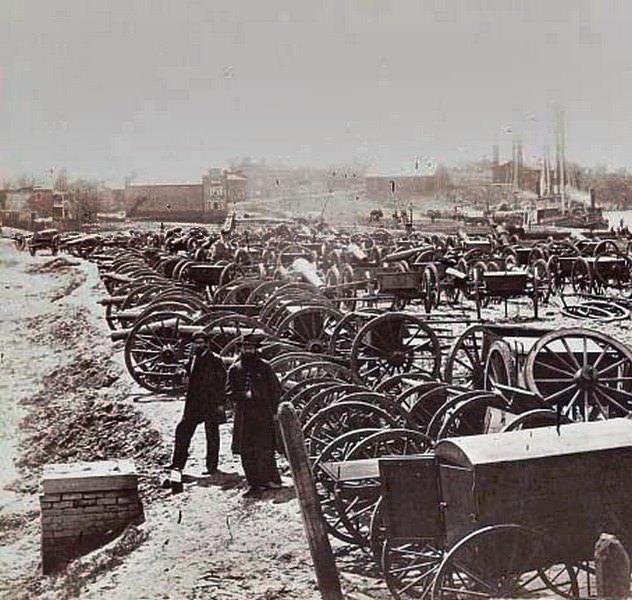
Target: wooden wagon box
395	282
505	283
205	273
573	485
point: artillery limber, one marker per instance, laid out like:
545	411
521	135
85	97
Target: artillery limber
47	239
501	285
503	515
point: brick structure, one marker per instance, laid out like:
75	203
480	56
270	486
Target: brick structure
206	201
85	505
164	201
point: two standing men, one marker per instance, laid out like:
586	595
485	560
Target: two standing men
253	388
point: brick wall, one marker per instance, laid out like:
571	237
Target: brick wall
164	200
85	505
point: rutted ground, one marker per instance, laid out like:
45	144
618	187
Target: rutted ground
65	385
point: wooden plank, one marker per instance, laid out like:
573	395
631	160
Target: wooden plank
320	549
531	444
352	470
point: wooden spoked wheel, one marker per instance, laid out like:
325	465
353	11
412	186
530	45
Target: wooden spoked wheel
586	373
468	417
397	384
156	350
342	417
300	393
500	367
502	561
532	419
465	365
581	276
315	369
310	328
596	310
227	328
287	361
409	567
395	343
447	409
345	331
423	402
356	499
327	396
336	450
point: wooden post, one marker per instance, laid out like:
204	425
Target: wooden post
612	568
324	564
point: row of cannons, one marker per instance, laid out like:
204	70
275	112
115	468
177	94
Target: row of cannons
405	406
406	411
359	270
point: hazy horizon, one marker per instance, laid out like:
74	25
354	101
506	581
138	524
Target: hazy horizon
166	90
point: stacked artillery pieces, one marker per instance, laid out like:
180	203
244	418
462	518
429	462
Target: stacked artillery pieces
382	394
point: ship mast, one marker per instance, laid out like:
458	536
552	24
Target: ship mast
560	143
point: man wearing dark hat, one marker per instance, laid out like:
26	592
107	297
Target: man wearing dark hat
255	392
221	249
204	403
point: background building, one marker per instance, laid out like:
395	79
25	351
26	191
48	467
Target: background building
206	201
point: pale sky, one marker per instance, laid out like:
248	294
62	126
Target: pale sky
169	88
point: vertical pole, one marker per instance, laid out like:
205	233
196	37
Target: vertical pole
612	568
320	549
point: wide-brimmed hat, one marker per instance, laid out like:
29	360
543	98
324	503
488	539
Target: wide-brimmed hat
251	339
199	335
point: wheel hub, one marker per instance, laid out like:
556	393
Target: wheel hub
397	357
315	346
168	355
587	376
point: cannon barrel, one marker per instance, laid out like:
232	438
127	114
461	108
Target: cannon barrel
307	271
185	331
113	300
117	277
405	254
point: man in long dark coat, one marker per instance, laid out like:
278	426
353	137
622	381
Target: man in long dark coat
255	392
204	403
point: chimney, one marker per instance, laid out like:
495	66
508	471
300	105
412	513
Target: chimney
495	155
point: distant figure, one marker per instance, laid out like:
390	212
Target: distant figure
254	390
221	250
204	403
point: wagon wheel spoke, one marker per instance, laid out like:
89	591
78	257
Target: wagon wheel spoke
560	358
560	393
571	353
609	394
615	365
550	367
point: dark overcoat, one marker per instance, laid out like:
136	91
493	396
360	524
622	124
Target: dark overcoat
206	390
253	427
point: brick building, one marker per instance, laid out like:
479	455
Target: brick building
208	200
34	198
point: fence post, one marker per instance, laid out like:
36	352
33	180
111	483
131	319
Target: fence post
324	564
612	568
